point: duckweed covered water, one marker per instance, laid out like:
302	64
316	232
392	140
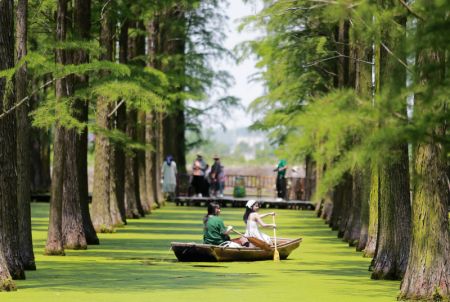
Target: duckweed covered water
136	264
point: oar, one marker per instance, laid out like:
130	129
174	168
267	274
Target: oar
276	255
256	242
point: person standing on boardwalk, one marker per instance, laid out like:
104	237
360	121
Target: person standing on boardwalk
296	190
252	219
221	181
281	179
214	228
169	177
199	168
216	171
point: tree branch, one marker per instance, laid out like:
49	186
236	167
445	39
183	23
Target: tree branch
102	12
116	108
409	9
22	101
393	54
335	57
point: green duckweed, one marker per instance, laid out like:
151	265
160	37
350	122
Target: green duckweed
135	264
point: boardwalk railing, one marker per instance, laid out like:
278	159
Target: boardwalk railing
255	185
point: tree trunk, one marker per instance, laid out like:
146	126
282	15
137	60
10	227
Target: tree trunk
394	233
180	147
131	187
427	275
142	201
149	160
353	230
54	244
72	220
364	234
136	187
319	200
136	47
309	188
152	40
101	218
337	207
327	210
100	215
6	282
9	236
346	187
121	125
159	158
82	12
363	86
369	250
142	177
23	143
116	218
394	220
173	40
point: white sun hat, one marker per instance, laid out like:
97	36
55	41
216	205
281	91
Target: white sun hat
250	203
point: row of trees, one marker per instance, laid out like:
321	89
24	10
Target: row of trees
122	70
359	89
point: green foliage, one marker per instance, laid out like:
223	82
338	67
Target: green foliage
56	111
205	34
308	114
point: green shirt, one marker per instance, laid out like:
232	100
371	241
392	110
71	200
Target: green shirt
281	173
214	231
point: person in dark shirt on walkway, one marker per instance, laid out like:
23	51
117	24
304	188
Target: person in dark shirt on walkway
214	228
281	180
216	172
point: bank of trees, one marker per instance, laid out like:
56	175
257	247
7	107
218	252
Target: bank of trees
121	70
360	89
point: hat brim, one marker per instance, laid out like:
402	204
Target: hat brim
250	203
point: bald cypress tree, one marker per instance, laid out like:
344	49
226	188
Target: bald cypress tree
427	275
82	31
393	239
23	142
100	211
9	232
54	245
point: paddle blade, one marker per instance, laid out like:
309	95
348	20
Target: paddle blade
276	255
260	243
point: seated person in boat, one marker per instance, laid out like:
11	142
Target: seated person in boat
252	219
214	228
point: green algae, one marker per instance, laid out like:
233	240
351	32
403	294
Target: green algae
136	264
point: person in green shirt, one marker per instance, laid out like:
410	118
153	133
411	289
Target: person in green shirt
215	231
281	180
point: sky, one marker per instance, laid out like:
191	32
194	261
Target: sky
244	89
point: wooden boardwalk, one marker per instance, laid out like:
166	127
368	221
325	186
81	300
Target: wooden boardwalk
229	201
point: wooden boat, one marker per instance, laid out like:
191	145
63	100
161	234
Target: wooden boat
196	252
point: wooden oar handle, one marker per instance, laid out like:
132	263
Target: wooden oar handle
274	232
238	232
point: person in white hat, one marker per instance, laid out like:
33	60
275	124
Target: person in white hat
252	219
